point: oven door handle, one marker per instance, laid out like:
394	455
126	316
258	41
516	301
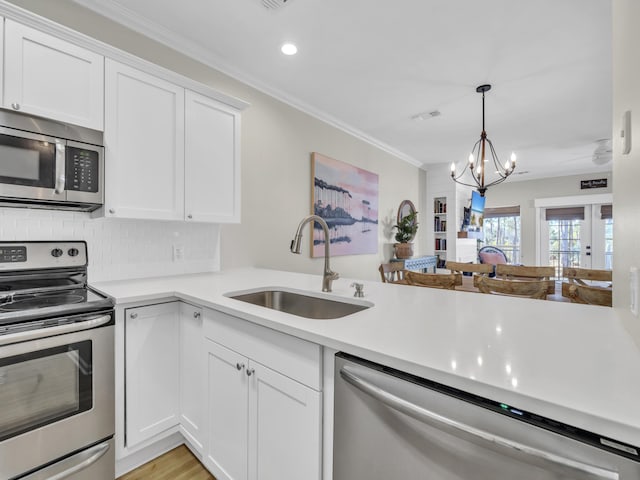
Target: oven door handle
77	463
471	433
92	322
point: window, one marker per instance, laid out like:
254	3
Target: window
502	230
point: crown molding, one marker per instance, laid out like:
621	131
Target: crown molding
122	15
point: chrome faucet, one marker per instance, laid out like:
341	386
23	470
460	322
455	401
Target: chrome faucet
328	276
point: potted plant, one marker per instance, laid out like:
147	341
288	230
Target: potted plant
406	227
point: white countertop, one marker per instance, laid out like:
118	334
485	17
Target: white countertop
572	363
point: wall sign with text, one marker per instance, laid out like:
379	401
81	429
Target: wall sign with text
597	183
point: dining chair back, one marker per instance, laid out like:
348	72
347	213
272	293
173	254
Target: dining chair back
581	276
519	288
473	268
392	272
434	280
587	294
523	272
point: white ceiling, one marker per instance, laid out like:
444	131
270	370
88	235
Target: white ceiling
370	66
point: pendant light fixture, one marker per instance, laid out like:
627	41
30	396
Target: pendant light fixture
479	160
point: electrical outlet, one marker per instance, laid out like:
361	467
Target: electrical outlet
178	253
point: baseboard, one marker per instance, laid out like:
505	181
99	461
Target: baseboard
133	461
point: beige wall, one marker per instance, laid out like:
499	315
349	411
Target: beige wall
626	168
524	193
277	141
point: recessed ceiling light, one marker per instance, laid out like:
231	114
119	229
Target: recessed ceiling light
289	49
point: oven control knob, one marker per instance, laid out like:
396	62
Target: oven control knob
56	252
73	252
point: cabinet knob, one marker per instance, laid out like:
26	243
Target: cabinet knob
112	211
189	216
196	314
15	106
239	366
133	315
250	371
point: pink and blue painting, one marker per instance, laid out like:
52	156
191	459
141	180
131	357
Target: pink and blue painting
346	197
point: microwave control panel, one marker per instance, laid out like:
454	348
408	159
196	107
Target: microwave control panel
82	170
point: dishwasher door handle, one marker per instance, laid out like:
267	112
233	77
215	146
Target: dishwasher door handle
471	433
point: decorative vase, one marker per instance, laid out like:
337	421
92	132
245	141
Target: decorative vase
403	250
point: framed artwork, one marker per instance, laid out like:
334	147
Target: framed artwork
346	197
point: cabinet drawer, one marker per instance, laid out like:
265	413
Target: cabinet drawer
291	356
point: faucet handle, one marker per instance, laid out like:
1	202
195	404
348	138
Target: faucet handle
359	289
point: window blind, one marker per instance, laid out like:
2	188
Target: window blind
606	212
565	213
513	211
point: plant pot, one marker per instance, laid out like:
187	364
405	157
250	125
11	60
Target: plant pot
403	250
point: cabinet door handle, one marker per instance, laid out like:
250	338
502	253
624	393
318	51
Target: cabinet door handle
133	315
15	106
189	216
239	366
196	314
250	371
112	211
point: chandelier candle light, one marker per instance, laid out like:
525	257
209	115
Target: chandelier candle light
478	157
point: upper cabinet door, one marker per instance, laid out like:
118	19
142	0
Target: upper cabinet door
144	145
212	160
52	78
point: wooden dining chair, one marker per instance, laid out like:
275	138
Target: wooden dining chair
516	288
433	280
523	272
473	268
587	294
393	272
581	276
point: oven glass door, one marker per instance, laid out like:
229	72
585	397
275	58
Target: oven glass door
27	162
42	387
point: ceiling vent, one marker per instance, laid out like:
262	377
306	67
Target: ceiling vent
275	4
603	152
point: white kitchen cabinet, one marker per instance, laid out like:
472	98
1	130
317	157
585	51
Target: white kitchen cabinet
49	77
212	160
170	154
227	411
263	424
144	145
192	375
284	427
152	369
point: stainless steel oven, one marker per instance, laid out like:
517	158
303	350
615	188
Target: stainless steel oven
57	412
49	165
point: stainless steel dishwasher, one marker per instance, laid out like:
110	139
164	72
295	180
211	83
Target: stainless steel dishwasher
392	425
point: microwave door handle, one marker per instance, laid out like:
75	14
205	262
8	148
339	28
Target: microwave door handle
470	433
61	174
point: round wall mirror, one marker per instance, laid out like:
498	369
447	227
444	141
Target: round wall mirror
406	208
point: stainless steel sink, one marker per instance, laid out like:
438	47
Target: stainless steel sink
300	304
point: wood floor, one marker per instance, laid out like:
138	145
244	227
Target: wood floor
176	464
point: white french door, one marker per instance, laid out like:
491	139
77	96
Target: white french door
576	236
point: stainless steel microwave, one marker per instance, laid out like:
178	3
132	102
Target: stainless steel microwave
46	164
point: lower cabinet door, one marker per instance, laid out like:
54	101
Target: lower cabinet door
284	427
192	375
226	450
152	359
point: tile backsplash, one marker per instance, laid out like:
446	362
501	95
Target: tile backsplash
120	248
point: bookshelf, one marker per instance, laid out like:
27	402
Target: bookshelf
440	226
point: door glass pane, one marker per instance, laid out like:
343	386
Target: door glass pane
608	244
42	387
504	233
27	162
564	244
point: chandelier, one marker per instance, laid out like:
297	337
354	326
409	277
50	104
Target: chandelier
479	160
